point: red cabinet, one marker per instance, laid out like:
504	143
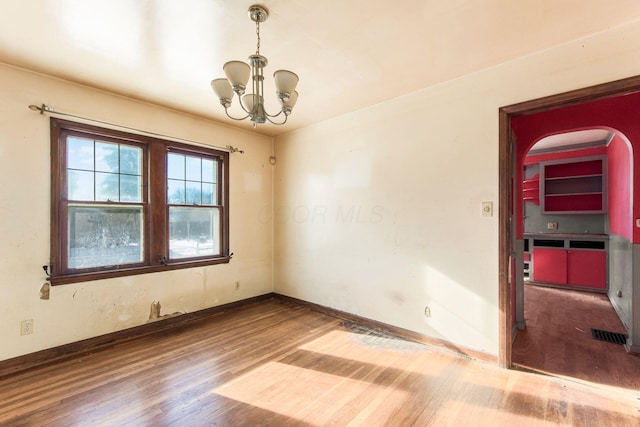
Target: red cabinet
587	268
570	267
550	265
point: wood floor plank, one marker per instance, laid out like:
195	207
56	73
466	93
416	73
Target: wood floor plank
282	364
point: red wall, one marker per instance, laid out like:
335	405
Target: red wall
620	113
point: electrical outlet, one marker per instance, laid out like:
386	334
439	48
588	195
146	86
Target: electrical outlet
427	311
26	327
237	285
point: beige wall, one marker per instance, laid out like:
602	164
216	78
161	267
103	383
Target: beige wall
377	212
413	172
83	310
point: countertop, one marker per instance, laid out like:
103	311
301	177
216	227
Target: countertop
583	236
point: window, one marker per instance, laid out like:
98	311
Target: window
194	216
126	204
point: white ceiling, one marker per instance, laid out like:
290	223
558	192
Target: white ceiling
576	139
349	54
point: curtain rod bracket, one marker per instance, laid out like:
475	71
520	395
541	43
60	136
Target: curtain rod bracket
233	149
42	108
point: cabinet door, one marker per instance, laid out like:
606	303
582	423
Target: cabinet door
587	268
550	265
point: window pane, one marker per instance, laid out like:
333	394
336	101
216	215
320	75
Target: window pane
107	187
107	157
130	160
80	185
194	171
193	193
208	194
79	153
175	166
130	188
209	170
193	232
175	192
102	236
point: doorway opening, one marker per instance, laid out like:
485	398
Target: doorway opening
513	146
576	213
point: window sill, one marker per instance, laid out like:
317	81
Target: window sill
99	275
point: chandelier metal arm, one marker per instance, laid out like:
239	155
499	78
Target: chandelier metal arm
286	116
274	115
226	110
267	115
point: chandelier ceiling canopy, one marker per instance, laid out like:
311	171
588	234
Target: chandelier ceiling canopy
238	74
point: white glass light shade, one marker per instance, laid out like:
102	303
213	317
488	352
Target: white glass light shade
249	100
286	81
291	102
237	72
222	88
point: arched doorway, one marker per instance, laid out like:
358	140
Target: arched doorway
543	114
576	245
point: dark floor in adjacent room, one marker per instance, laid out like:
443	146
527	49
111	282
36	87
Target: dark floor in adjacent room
557	338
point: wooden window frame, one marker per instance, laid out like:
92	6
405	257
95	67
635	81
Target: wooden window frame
155	207
219	196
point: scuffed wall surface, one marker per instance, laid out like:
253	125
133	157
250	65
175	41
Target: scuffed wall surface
414	171
83	310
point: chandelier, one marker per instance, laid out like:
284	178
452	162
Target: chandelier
238	73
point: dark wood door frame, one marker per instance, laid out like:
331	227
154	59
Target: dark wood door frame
507	150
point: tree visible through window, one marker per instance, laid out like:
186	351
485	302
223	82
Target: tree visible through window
127	204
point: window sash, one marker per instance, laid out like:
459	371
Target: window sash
104	236
194	232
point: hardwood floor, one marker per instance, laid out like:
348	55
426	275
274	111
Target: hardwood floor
558	338
281	364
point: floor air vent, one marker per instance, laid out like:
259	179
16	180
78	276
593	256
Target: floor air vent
612	337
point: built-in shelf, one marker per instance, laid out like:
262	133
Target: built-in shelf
531	189
573	186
